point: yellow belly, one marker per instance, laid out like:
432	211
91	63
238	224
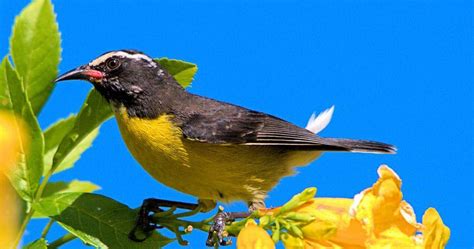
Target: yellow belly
207	171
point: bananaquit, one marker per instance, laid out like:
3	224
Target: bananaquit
210	149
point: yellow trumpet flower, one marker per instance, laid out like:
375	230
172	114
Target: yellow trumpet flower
11	129
377	217
254	237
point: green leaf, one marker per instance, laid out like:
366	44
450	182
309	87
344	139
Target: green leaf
53	188
182	71
55	204
35	48
37	244
106	220
54	134
26	175
77	151
93	113
89	240
53	195
53	137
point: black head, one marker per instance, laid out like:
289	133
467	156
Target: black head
125	77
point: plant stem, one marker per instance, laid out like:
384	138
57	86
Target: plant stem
46	228
186	214
61	241
41	187
25	222
30	213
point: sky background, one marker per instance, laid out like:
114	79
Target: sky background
400	72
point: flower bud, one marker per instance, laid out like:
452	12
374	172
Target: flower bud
265	220
291	242
296	230
298	200
304	217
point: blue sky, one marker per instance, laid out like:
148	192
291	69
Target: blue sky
397	71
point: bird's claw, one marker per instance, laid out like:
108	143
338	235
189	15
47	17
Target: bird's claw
146	216
217	230
144	224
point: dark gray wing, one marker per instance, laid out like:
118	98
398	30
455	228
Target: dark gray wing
223	127
221	123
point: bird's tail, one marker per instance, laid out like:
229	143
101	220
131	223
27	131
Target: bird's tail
318	123
362	146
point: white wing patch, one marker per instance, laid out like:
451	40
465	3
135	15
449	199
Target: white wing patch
317	123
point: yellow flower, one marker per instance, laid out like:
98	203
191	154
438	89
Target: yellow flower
291	242
254	237
381	207
377	217
11	129
392	238
435	233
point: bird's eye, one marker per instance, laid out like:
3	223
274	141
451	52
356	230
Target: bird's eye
112	64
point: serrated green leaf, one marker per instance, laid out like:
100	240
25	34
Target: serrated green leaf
55	204
54	190
87	239
27	173
56	132
93	113
182	71
53	137
37	244
106	220
35	48
77	151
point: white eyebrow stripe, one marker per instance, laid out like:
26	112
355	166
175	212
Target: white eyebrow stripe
104	57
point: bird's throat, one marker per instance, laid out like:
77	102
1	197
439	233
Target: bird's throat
151	103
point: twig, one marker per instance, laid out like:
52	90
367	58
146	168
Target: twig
25	222
46	228
61	241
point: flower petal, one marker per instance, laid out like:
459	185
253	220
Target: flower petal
381	207
377	217
435	233
254	237
392	238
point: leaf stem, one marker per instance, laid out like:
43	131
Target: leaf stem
187	214
61	241
41	187
46	228
30	213
25	222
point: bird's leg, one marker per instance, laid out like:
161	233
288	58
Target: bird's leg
150	206
218	227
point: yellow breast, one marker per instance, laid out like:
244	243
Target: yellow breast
208	171
155	143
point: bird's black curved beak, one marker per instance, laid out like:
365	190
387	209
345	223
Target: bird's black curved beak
81	73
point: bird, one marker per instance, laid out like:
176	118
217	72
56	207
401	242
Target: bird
210	149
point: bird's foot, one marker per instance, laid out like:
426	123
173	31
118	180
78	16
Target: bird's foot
217	233
145	223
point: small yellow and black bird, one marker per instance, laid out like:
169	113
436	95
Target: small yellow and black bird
203	147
